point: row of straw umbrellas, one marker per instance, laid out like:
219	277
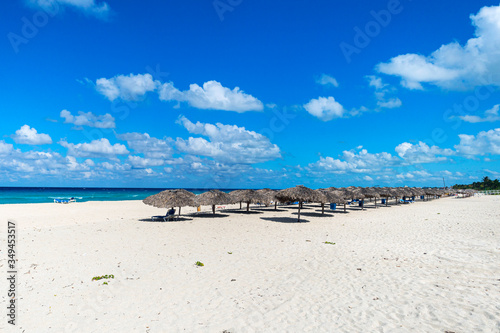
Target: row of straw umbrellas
183	198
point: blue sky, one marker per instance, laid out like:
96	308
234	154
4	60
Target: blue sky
238	93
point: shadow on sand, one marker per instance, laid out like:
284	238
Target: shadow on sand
243	211
312	214
176	219
269	210
208	215
284	219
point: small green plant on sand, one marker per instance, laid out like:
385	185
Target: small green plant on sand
330	243
230	253
104	282
199	263
97	278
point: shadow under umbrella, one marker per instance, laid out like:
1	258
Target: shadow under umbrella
209	215
175	219
283	219
296	207
312	214
244	212
269	210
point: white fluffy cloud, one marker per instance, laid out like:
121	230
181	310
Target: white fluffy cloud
152	148
422	153
351	161
29	136
5	148
227	143
95	148
91	7
490	115
381	92
141	162
453	65
212	96
325	108
484	143
326	79
127	87
88	119
390	103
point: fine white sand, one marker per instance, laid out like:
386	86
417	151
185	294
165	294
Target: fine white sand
423	267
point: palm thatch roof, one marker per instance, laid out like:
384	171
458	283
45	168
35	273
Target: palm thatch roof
331	196
171	198
299	193
352	192
249	196
268	194
386	192
214	197
236	195
370	192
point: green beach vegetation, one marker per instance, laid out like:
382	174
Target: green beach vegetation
485	185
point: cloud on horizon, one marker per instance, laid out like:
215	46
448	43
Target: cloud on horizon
228	144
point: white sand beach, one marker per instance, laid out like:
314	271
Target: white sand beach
423	267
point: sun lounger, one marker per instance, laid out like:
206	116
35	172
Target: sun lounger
407	201
170	216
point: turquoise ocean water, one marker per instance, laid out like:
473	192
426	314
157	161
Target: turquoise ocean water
16	195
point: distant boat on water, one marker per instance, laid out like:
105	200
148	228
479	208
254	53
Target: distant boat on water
64	200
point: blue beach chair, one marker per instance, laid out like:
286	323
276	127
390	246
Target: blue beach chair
169	216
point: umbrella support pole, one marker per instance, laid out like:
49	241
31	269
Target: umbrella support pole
240	204
345	210
213	209
248	206
275	205
300	204
322	209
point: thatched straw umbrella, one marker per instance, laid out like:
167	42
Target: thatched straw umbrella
342	196
329	196
352	192
236	196
399	192
385	192
212	198
171	198
248	196
299	193
370	192
268	196
417	191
